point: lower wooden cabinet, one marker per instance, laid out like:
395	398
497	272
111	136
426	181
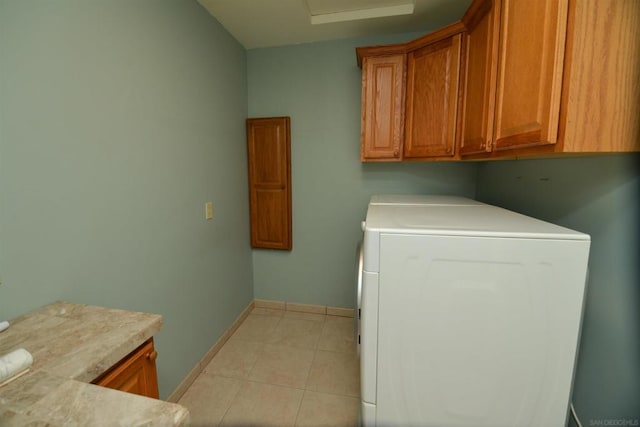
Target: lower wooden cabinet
136	373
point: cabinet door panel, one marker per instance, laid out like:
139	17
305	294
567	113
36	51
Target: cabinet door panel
135	374
268	150
532	39
382	107
271	223
267	146
432	99
481	68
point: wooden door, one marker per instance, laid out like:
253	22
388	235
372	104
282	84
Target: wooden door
481	40
529	85
383	91
268	150
432	99
135	374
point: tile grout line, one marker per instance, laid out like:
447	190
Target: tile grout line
295	421
230	404
306	380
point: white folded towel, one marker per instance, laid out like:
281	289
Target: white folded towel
14	364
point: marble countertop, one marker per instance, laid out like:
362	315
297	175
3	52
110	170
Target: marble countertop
72	344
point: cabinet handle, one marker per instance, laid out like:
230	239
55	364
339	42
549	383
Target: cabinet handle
152	355
395	153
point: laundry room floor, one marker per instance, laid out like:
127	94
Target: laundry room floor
280	368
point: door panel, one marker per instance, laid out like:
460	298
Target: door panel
432	99
480	76
532	39
383	92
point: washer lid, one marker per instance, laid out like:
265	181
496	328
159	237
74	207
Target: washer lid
421	199
472	220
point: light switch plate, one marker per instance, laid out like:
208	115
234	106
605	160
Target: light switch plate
208	210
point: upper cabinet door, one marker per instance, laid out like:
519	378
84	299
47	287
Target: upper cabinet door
432	99
383	92
268	150
482	21
531	61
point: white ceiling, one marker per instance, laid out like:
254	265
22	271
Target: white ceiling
267	23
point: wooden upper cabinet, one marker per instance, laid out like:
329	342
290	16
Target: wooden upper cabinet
411	96
482	22
530	68
432	99
551	77
269	158
515	60
383	92
537	77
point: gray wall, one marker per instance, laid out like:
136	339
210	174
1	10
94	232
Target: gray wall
600	196
318	86
118	120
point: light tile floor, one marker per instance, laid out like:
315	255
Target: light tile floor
280	368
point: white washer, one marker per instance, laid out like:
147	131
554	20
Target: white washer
470	316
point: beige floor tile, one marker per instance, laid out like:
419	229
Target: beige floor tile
257	327
337	335
293	332
335	372
282	365
268	311
235	359
327	410
259	404
305	316
209	397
